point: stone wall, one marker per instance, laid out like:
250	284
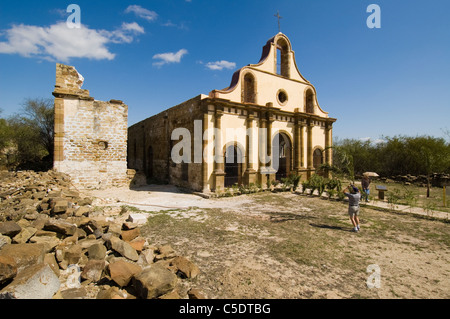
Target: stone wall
150	146
90	135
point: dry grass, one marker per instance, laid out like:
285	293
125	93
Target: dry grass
289	246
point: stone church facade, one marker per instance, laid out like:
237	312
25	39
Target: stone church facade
266	125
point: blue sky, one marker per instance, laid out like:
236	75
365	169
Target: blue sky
155	54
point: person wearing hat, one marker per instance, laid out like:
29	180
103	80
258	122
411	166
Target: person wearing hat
354	196
365	183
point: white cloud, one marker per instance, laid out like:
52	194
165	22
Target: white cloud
125	33
132	27
58	42
169	24
169	57
220	65
142	12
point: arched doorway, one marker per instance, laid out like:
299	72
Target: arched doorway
281	155
233	165
317	158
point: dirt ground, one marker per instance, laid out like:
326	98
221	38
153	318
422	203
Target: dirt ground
284	245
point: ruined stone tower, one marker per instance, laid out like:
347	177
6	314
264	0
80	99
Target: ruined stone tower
90	135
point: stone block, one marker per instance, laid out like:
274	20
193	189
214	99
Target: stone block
93	270
124	249
9	229
97	252
185	268
74	293
154	281
111	293
82	211
60	206
122	272
194	293
171	295
138	243
73	254
8	268
34	282
129	235
138	218
148	256
60	226
50	260
24	235
49	242
24	255
4	240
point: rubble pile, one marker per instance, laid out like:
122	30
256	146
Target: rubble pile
55	244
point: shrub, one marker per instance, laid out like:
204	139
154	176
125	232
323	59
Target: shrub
317	182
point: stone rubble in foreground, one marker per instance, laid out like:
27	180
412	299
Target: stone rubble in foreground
55	244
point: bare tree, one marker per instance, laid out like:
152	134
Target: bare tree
40	113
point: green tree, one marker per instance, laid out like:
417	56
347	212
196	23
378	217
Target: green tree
31	132
428	155
6	145
398	155
40	115
4	133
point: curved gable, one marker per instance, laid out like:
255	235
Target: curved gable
277	80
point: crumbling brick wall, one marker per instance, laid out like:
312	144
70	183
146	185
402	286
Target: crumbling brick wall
90	135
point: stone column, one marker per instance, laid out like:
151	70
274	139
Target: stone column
219	172
328	143
309	149
270	120
297	145
302	145
262	148
205	176
58	155
250	173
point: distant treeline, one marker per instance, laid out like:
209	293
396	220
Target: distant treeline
398	155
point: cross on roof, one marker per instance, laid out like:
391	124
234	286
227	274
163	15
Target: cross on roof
278	17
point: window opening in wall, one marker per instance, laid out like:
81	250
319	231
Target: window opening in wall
282	97
233	165
309	108
317	158
249	89
282	58
279	61
103	145
284	155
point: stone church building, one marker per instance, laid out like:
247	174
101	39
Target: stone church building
266	125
